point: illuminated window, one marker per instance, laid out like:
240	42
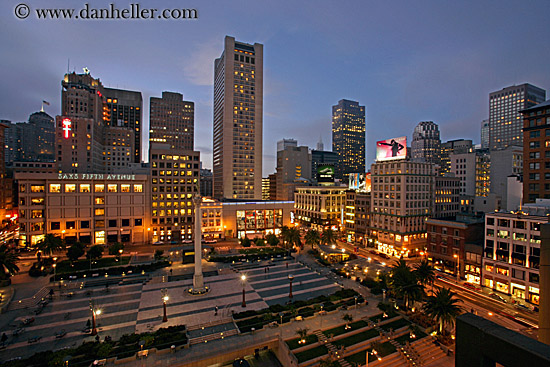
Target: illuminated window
36	188
70	187
99	188
125	188
99	211
138	188
100	200
100	238
112	187
84	187
55	187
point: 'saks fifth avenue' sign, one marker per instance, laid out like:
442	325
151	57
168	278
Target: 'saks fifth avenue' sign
94	176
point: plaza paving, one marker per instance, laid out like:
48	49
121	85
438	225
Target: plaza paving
138	307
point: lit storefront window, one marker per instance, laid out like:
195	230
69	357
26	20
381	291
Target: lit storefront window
100	238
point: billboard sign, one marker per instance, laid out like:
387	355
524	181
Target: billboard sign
391	149
325	173
360	182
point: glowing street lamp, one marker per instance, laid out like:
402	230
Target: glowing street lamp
243	278
95	312
290	279
374	353
164	293
457	267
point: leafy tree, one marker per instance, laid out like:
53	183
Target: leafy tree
245	242
50	244
8	262
328	237
95	252
302	333
312	238
158	255
272	240
442	307
259	242
115	248
75	251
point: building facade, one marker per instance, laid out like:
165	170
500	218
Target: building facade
206	182
93	209
172	121
348	137
32	141
357	217
505	119
320	158
238	121
536	152
402	201
446	196
426	143
485	134
320	207
459	146
504	163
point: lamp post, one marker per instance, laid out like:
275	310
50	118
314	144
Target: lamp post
290	279
355	308
243	278
54	268
321	315
95	312
374	353
457	267
164	292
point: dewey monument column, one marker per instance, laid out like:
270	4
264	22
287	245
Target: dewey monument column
198	281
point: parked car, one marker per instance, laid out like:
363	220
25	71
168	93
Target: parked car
497	297
472	286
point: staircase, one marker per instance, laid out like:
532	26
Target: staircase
333	352
428	351
408	353
210	337
30	302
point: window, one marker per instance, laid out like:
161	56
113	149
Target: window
112	223
55	188
126	223
112	187
55	225
100	200
36	188
70	187
84	224
138	222
37	214
99	188
138	188
518	274
489	267
84	187
99	211
70	225
37	201
125	188
100	223
534	278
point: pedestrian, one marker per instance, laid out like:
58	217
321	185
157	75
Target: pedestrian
170	271
97	338
216	311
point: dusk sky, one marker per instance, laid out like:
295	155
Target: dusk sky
406	61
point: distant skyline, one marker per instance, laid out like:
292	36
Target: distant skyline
404	61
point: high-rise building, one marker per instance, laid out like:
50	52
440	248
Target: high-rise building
206	182
125	110
174	182
295	163
485	134
505	120
119	148
536	151
463	166
284	143
426	143
348	137
238	121
5	183
321	158
402	201
446	196
459	146
265	188
172	121
504	163
32	141
320	145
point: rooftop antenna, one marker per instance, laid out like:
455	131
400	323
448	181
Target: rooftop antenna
68	63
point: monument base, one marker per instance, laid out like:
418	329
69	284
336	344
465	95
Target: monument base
198	286
198	291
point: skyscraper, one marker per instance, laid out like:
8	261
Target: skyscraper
505	120
125	110
238	121
348	137
426	143
485	134
172	121
459	146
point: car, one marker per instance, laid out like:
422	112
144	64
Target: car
472	287
383	256
373	252
158	243
522	307
497	297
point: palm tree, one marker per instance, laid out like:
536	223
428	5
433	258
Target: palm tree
284	235
328	237
424	273
404	283
442	307
8	262
312	237
50	244
302	333
347	318
291	237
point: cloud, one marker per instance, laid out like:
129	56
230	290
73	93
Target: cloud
198	67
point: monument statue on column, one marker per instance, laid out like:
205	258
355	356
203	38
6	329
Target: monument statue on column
198	281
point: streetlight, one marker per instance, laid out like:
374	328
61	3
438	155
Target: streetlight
374	353
164	292
95	312
355	308
457	267
290	279
54	268
243	278
321	314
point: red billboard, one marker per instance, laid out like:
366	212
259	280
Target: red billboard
390	149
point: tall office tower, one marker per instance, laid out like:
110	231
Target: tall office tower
238	121
125	110
402	201
265	188
321	158
536	151
485	134
32	141
284	143
293	170
119	148
172	121
320	145
174	181
503	164
459	146
348	137
5	183
426	143
79	137
206	182
505	120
